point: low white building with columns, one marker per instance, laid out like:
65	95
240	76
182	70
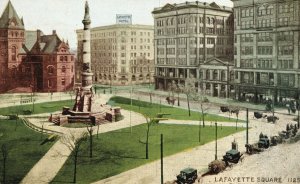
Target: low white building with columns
216	78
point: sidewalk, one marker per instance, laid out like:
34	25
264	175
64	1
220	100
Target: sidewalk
198	157
48	166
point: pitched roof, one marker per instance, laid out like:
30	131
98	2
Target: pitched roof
45	44
10	18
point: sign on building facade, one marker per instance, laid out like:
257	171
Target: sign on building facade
124	19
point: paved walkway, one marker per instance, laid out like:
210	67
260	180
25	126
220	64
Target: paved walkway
48	166
198	157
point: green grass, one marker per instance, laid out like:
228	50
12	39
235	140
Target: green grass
118	151
46	107
152	110
24	149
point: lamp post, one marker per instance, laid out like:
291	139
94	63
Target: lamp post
130	104
216	148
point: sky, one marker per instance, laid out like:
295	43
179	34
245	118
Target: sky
65	16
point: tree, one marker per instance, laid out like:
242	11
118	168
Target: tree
188	89
4	151
73	143
175	89
150	121
200	99
90	129
237	111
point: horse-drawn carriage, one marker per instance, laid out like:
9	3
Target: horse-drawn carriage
171	100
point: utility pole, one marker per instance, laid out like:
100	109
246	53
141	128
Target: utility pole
216	155
161	159
130	106
247	128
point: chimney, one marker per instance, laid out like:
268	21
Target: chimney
38	35
54	32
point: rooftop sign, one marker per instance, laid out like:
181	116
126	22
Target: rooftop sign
124	19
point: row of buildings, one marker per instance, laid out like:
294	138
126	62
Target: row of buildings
248	52
31	61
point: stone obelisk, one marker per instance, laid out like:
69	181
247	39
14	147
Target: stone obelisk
84	94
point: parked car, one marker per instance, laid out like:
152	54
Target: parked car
187	176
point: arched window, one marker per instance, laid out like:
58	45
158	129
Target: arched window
172	21
208	20
270	10
13	53
50	69
261	10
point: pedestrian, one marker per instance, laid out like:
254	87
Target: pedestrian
288	107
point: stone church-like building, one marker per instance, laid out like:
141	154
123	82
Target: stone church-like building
31	61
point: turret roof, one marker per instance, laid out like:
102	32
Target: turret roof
10	18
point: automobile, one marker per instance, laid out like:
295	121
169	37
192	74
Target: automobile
264	142
187	176
232	156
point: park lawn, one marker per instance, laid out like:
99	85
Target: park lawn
118	151
45	107
148	109
24	149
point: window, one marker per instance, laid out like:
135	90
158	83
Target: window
285	64
247	50
263	37
215	75
49	83
63	69
50	70
265	50
286	50
13	53
264	63
247	37
63	81
286	36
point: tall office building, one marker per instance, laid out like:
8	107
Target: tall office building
266	49
194	39
121	54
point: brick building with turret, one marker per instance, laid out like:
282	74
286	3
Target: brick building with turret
30	60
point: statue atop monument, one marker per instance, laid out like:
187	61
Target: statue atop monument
84	94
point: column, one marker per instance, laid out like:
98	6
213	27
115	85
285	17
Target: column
211	89
219	90
226	91
296	81
204	88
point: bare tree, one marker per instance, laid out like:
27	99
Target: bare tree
73	143
98	126
90	129
188	89
150	121
199	98
4	151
